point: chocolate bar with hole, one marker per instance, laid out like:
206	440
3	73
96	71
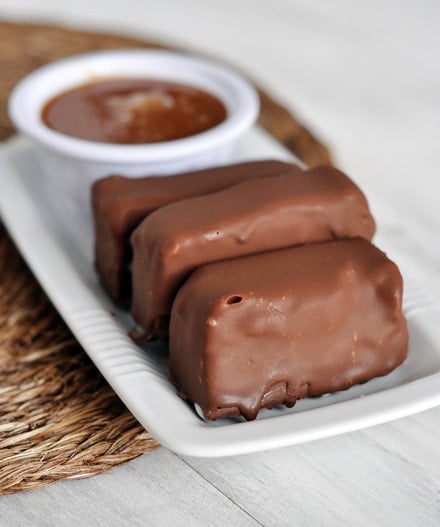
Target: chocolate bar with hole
121	203
252	216
272	328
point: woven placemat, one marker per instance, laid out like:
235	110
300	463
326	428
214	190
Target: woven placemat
59	419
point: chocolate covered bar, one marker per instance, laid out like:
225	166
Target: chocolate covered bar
121	203
252	216
273	328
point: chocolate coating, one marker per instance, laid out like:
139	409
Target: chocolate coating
272	328
121	203
253	216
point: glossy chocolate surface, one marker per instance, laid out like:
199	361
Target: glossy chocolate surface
121	203
133	111
270	329
252	216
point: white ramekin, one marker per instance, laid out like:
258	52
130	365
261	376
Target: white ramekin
72	164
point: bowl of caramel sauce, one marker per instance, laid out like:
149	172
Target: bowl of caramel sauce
134	112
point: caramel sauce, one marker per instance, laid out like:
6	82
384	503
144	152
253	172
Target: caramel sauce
133	111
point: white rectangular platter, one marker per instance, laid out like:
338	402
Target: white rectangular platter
57	243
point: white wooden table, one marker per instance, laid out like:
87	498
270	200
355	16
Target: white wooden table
366	76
